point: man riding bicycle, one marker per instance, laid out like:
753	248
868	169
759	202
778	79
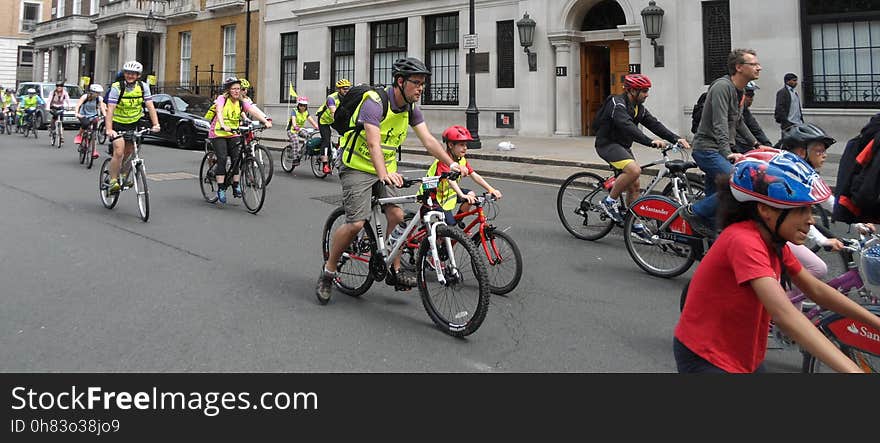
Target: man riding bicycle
89	109
10	102
125	107
29	105
325	118
369	156
57	100
618	128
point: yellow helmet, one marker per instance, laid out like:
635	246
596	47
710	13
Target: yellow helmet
245	84
344	83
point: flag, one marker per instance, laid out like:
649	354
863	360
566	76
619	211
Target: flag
290	90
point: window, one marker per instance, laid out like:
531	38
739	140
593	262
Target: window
93	7
716	39
76	8
30	16
25	56
442	47
505	53
289	45
228	51
59	11
841	41
342	56
185	57
388	44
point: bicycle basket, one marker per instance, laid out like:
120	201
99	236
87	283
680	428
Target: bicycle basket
313	146
870	264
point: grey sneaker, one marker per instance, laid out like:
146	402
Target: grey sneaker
698	223
406	278
611	208
325	286
639	232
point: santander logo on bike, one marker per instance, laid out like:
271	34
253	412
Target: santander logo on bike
658	211
863	332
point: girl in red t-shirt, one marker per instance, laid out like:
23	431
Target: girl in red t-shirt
736	289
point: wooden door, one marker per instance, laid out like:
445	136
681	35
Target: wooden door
619	64
594	66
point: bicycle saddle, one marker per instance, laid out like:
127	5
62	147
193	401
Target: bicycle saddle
675	166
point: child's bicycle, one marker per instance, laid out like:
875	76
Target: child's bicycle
87	144
861	343
502	253
137	168
451	273
308	148
28	124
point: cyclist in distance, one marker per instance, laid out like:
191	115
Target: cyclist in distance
325	118
618	127
299	116
369	156
231	107
90	107
125	107
739	286
57	100
10	102
29	104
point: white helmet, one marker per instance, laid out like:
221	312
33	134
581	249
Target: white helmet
133	66
96	88
31	91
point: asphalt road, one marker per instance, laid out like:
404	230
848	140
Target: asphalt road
208	289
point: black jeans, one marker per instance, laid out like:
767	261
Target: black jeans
223	147
689	362
325	137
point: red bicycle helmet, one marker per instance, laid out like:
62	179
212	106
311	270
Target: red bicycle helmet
457	134
636	81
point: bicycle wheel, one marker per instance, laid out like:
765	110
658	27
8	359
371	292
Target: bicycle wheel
459	305
59	128
504	260
143	194
207	181
53	137
578	205
253	185
657	256
287	159
102	136
107	199
82	150
90	148
353	275
317	166
264	159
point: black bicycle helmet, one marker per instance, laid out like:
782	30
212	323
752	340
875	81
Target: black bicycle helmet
409	66
799	136
59	83
230	81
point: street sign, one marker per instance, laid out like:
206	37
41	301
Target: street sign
471	41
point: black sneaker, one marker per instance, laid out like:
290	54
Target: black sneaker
698	223
325	286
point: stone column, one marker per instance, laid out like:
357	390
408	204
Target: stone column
39	67
633	35
160	70
128	48
564	95
72	70
53	63
362	60
100	59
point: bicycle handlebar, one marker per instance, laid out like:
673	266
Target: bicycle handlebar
430	180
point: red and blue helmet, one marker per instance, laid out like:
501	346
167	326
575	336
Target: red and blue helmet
777	178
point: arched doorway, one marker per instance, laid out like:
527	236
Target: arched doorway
604	62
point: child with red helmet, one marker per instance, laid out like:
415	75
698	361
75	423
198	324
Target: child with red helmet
450	192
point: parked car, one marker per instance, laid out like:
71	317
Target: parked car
182	120
45	89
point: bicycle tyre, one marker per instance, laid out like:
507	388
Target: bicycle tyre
353	274
253	184
143	193
287	159
500	242
580	201
89	150
107	199
59	128
207	180
102	136
683	254
471	259
317	166
82	153
53	136
264	159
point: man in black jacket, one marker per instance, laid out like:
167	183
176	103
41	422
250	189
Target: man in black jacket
788	103
742	145
618	123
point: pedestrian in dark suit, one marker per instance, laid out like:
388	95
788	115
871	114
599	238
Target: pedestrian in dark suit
789	110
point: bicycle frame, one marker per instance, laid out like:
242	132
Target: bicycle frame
663	173
134	159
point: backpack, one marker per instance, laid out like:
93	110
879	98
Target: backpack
697	112
601	114
857	191
349	102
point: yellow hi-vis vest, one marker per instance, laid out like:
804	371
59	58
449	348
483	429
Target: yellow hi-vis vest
299	120
231	115
323	113
130	107
446	196
392	129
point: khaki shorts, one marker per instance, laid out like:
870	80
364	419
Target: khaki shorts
357	193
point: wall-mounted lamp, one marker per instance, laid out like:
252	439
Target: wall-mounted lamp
526	28
652	17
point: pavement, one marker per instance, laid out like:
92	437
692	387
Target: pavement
540	159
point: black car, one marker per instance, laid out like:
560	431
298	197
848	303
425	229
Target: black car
182	120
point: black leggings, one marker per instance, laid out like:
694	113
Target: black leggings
688	361
223	147
325	137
